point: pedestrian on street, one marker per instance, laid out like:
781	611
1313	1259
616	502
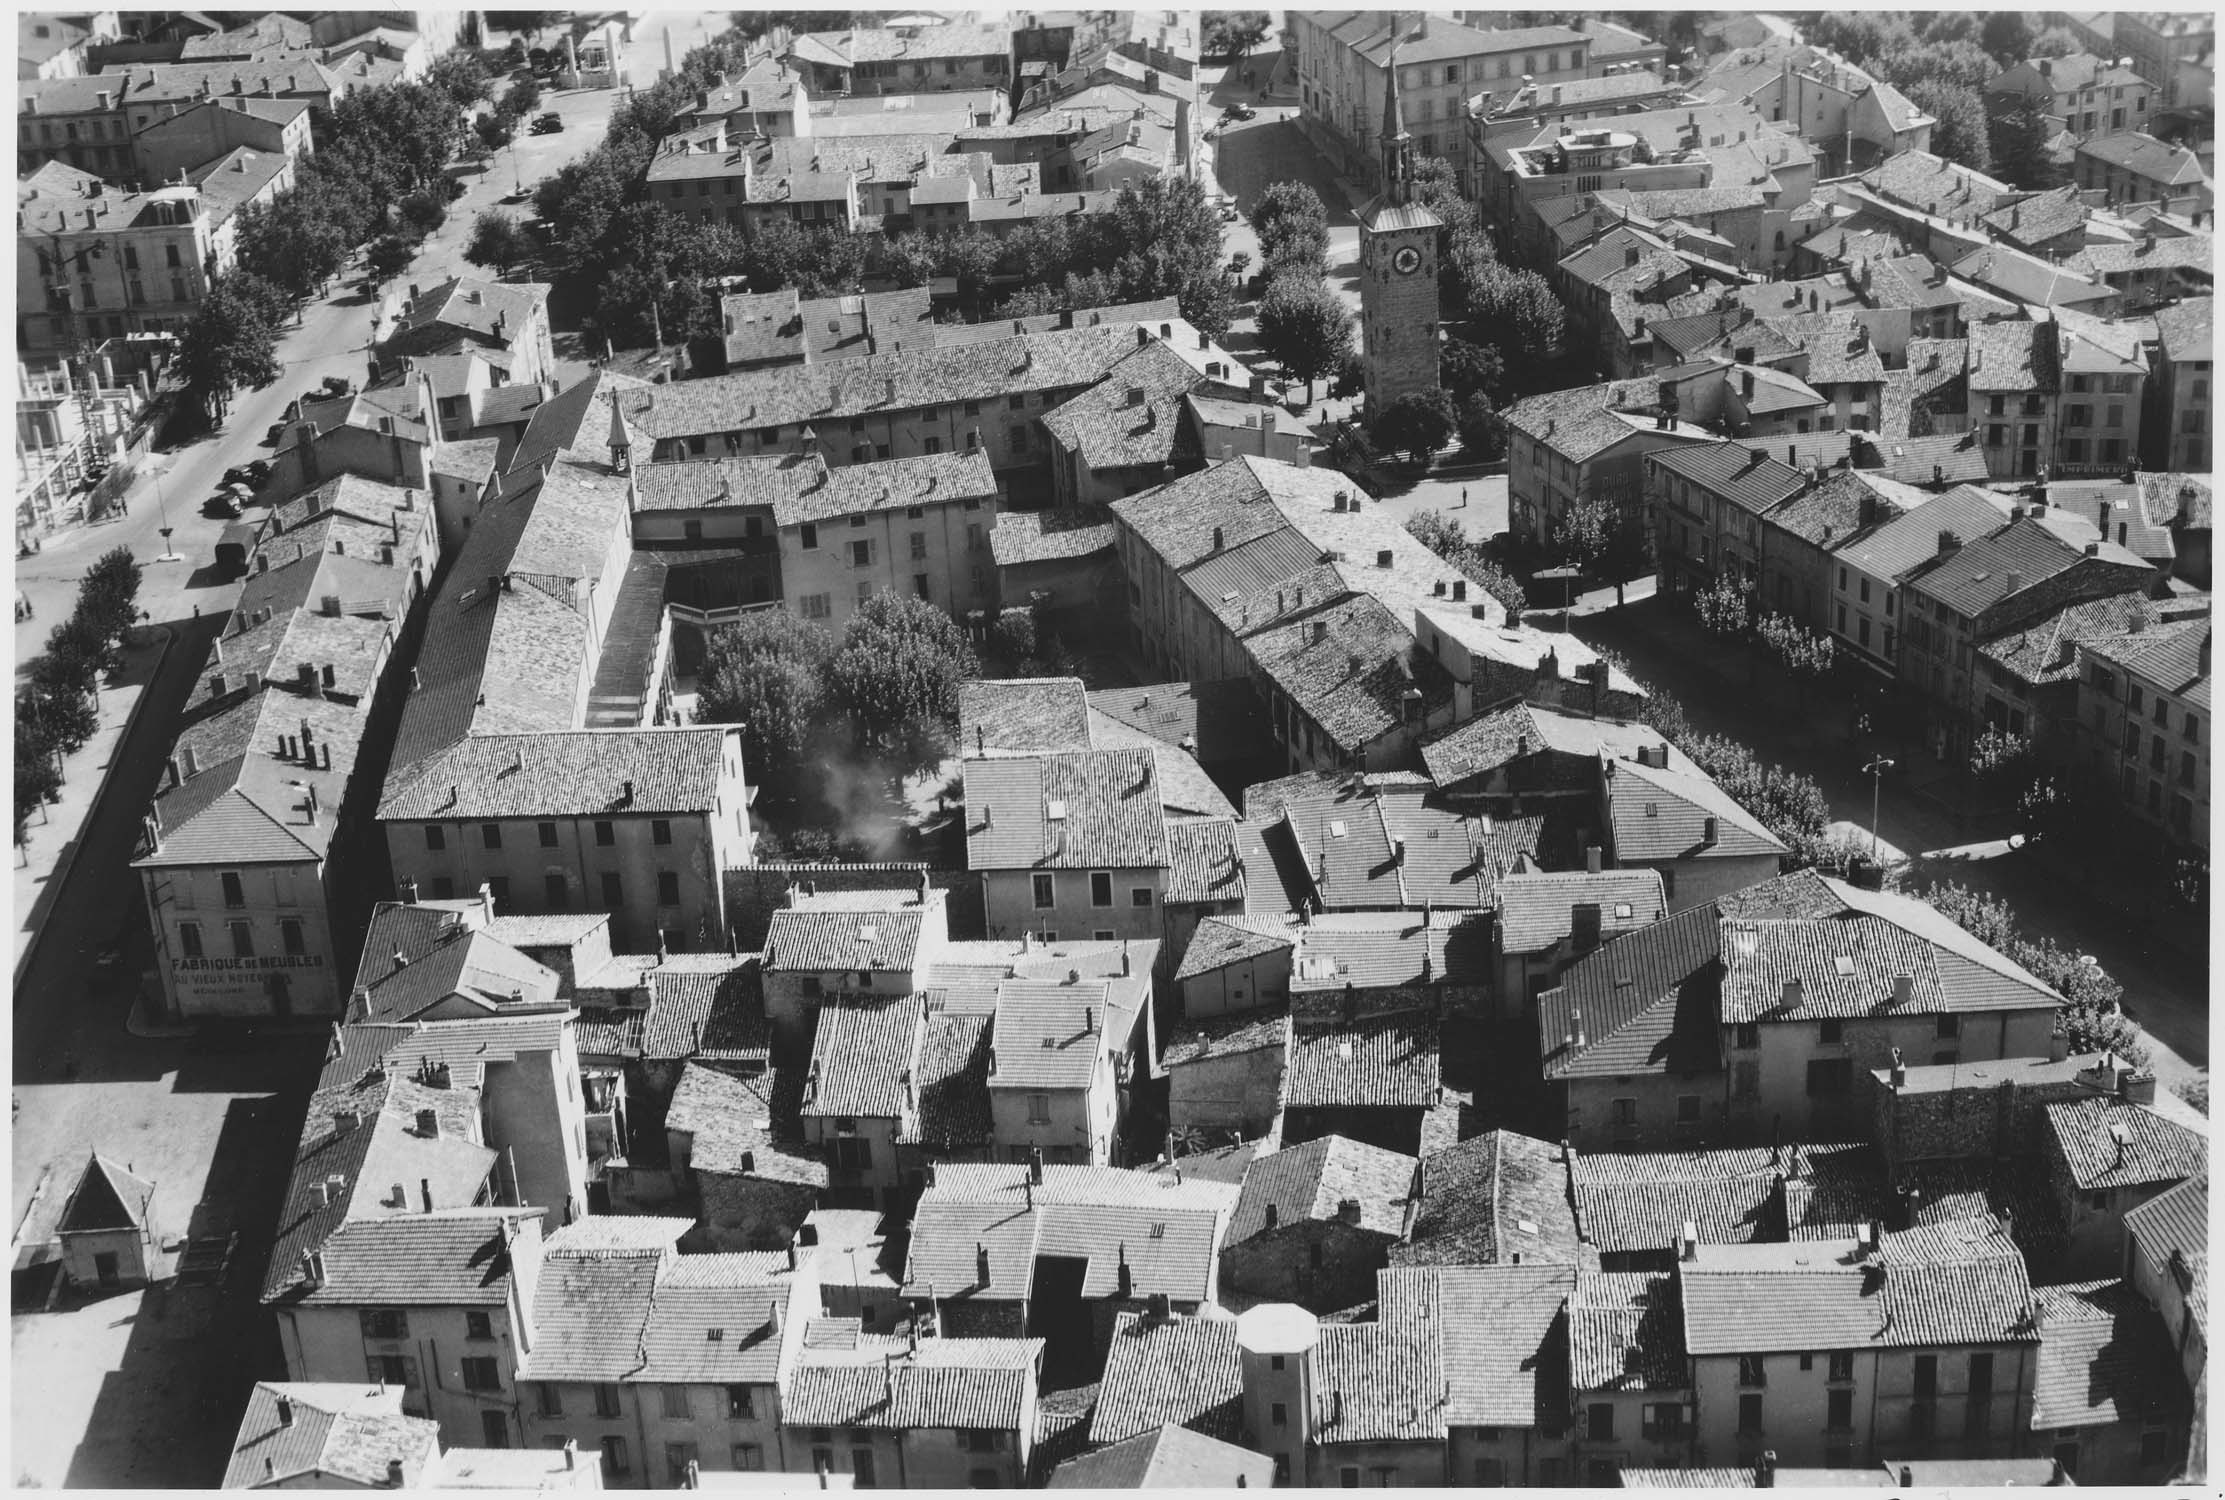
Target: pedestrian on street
1463	497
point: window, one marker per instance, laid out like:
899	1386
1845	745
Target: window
436	837
660	830
1834	1032
290	938
189	939
676	1403
549	1400
2155	1448
1626	1114
807	537
1842	1364
740	1405
1600	1422
1039	1109
235	894
822	1459
384	1323
1751	1370
668	888
393	1369
749	1458
614	892
1830	1077
547	834
243	939
606	1401
606	833
817	606
1348	1478
1279	1414
554	894
1044	899
1660	1421
1949	1025
1688	1109
851	1154
1748	1036
861	553
861	1466
481	1373
1927	1376
494	1429
1749	1413
1100	888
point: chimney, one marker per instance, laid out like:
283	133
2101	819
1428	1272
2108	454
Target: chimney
1708	833
428	1124
2136	1088
1576	1030
1900	1070
1591	859
1904	988
285	1411
1035	1163
1460	591
1583	926
425	1192
1794	989
393	1473
1348	1211
1948	542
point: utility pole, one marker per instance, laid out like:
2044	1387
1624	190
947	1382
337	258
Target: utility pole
1877	768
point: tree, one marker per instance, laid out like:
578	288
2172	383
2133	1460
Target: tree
1807	655
2020	155
389	256
1289	218
1464	368
767	672
1351	377
2195	1091
1960	136
422	213
1232	33
108	595
460	76
1483	432
898	672
1304	327
523	97
496	241
1418	423
230	341
2056	41
1725	608
2007	35
292	242
495	131
1590	536
1013	637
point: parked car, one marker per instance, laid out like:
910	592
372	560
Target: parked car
548	124
270	438
1240	111
336	386
251	474
221	507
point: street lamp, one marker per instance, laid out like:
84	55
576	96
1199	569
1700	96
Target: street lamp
162	510
1877	768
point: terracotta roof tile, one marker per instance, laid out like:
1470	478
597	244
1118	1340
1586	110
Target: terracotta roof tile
1312	1181
1626	1333
1490	1198
1182	1372
1377	1062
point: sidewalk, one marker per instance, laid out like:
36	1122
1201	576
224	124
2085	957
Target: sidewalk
50	843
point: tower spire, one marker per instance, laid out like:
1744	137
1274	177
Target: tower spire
1398	146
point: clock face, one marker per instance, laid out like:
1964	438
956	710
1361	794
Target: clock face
1407	260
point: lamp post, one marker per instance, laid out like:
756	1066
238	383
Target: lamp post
162	510
1877	768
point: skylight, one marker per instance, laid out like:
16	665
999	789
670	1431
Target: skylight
1844	965
1336	829
1055	810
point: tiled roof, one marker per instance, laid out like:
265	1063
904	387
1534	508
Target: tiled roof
107	1196
1165	1458
1383	1382
1349	667
1053	1036
1933	184
1182	1372
974	1384
1642	1201
735	1128
954	1109
1166	1233
578	773
1626	1333
1910	539
811	492
2183	327
1112	817
1348	846
715	1320
865	1057
1504	1334
711	1010
591	1307
1663	815
1747	477
1842	504
2046	649
2012	357
1055	535
334	1434
2175	1223
1023	714
1580	424
2142	155
803	939
2109	1143
1376	1062
1537	910
1131	416
1490	1198
1225	1036
1507	734
1184	788
1053	361
2105	1357
1959	1283
1846	967
1972	975
1312	1181
1649	1003
1203	862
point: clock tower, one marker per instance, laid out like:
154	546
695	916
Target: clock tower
1398	266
